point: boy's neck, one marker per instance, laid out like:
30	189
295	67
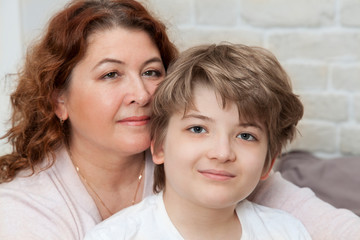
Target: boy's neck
197	222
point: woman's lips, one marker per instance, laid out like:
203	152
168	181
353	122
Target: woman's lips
217	175
135	120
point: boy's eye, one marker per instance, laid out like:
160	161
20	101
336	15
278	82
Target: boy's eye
246	136
197	129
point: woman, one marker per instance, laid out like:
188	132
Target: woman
80	128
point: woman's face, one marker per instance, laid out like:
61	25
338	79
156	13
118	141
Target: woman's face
108	100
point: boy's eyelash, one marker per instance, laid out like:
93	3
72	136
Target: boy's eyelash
197	129
246	136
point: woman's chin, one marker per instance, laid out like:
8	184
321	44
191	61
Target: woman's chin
134	146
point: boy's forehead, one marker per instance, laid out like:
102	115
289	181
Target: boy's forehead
246	114
243	118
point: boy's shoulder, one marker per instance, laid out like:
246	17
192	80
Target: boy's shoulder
133	215
268	223
144	220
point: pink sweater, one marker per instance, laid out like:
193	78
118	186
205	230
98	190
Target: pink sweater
54	204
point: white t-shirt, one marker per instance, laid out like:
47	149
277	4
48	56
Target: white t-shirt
149	220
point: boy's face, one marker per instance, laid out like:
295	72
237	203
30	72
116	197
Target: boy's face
212	158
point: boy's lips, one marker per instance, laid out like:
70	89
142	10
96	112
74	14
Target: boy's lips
218	175
135	120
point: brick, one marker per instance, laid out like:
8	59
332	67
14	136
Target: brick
284	13
350	140
349	13
189	37
315	137
325	106
356	109
346	78
305	76
325	46
172	13
210	12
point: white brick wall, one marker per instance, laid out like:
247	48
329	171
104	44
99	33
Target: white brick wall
282	13
349	13
317	41
356	107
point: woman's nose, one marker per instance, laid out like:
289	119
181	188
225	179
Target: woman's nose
138	92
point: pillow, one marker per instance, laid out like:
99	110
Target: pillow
336	181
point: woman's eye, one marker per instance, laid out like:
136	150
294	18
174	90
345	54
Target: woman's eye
246	136
111	75
197	129
152	73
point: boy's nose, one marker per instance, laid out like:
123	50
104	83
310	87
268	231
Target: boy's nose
221	150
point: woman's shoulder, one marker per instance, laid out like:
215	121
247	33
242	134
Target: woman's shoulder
270	223
249	208
33	202
37	183
320	218
49	202
28	183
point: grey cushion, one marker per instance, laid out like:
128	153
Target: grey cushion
336	181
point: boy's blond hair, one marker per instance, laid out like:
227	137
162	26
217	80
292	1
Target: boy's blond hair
250	77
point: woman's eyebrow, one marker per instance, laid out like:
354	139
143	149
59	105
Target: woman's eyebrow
151	60
108	60
113	60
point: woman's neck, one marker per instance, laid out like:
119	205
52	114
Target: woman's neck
111	180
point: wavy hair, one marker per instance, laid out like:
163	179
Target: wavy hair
36	132
250	77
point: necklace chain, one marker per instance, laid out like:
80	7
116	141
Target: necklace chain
97	195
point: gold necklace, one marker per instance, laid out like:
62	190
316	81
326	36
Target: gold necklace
97	195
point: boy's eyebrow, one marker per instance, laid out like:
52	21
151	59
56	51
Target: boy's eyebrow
250	124
199	116
205	118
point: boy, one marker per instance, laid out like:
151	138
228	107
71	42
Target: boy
220	119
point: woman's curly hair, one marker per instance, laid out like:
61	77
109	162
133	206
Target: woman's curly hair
36	132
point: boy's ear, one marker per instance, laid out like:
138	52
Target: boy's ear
60	108
158	157
265	174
